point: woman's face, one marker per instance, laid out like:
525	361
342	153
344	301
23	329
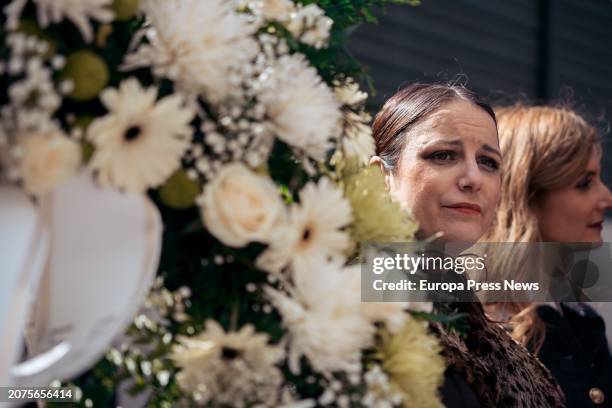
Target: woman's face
449	172
575	213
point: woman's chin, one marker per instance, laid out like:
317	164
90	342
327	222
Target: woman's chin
594	238
459	234
596	241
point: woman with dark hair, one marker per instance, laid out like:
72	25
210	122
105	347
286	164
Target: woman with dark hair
438	148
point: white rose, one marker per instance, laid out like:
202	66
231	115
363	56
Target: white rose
240	206
276	9
47	160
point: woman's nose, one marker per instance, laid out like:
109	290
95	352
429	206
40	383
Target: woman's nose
471	178
606	202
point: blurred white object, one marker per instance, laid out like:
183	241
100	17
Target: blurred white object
23	250
103	257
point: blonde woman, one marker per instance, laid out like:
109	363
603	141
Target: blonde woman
552	191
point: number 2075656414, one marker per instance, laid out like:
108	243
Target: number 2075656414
49	394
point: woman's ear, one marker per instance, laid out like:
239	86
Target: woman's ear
378	161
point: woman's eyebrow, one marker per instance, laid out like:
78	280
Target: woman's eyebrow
454	142
459	142
491	149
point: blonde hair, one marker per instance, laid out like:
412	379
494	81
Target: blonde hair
544	148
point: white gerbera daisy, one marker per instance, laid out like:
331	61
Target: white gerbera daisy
54	11
324	320
229	368
301	107
140	142
313	229
196	43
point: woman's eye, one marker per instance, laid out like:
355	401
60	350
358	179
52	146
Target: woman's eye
489	162
584	184
442	156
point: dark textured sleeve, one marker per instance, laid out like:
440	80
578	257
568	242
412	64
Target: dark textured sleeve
456	392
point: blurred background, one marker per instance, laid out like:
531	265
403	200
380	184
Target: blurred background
533	50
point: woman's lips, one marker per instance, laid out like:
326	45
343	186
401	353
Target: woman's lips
596	225
465	208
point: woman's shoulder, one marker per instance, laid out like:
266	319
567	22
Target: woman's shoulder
501	372
574	327
570	310
575	349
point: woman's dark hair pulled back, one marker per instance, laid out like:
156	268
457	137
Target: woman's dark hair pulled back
409	106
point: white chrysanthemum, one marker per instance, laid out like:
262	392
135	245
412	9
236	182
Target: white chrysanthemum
324	320
313	229
357	140
392	314
301	107
140	142
54	11
311	26
229	368
349	94
196	43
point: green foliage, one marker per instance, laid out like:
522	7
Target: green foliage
348	13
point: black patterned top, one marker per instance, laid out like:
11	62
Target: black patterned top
499	371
